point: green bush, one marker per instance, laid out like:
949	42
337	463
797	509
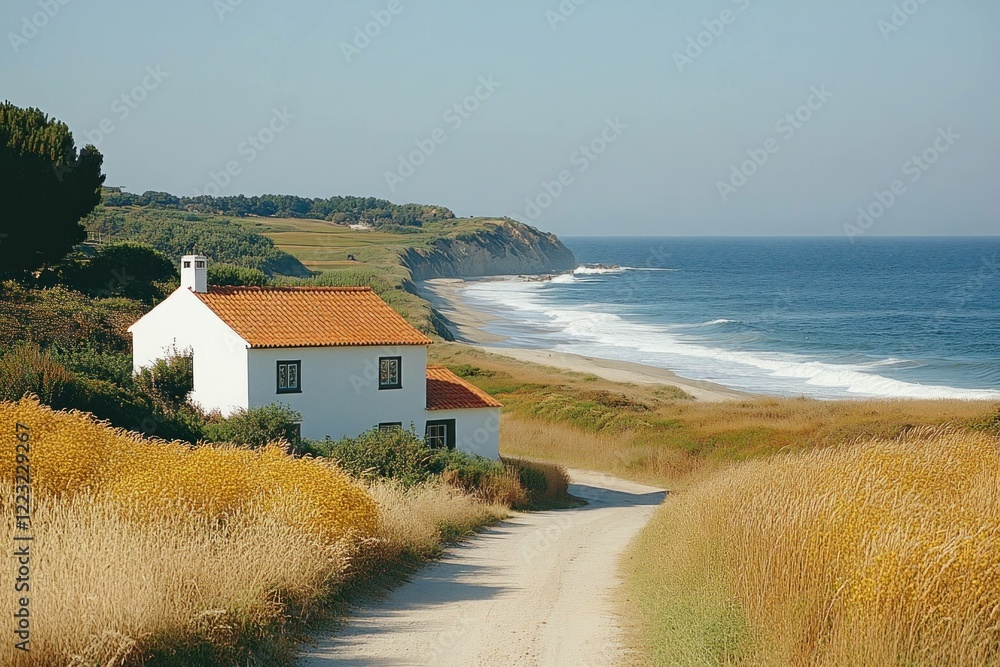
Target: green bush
169	381
134	411
130	270
401	456
256	427
59	316
26	368
92	362
547	484
395	454
468	470
237	276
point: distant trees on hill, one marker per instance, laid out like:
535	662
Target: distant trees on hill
46	186
176	233
340	210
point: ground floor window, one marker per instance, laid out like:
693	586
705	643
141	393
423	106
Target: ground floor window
440	434
390	426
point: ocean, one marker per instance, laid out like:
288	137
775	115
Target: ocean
818	317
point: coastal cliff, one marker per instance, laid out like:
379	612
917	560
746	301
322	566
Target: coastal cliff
496	247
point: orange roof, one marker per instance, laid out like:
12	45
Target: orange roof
447	391
310	316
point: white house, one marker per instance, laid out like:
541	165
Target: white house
339	356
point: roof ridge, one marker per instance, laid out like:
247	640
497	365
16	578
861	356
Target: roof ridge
288	288
318	316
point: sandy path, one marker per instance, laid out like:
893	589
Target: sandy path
535	590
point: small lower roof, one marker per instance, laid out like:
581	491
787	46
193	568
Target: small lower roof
447	391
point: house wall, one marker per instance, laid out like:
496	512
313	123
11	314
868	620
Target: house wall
476	431
340	395
182	321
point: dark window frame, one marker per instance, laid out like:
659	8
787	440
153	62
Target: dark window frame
297	363
450	440
389	426
399	373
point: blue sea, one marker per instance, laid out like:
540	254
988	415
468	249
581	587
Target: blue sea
884	317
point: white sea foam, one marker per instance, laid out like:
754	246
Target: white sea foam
605	270
593	331
597	270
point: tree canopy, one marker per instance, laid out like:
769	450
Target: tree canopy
341	210
128	269
46	187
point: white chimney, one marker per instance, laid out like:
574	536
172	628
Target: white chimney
194	273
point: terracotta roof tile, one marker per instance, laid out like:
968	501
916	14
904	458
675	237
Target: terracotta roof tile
310	316
447	391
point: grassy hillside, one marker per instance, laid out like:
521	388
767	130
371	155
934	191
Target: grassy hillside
300	251
322	246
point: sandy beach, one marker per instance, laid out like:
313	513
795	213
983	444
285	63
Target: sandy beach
467	325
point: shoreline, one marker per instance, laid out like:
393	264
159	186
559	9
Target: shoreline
466	323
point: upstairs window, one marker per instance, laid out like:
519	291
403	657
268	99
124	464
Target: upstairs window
389	373
289	376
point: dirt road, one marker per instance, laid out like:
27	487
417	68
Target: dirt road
533	591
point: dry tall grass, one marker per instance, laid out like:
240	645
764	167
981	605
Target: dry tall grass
106	590
886	552
683	441
415	520
149	549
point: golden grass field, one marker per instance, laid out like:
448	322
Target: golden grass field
144	549
882	552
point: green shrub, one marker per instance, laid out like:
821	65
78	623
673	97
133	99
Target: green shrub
131	270
26	368
547	483
59	316
395	454
237	276
489	480
470	371
256	427
92	362
169	381
135	412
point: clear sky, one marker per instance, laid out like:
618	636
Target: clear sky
664	120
